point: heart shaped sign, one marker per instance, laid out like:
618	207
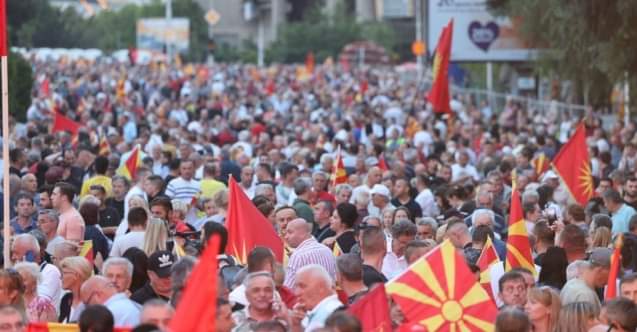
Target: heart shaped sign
483	35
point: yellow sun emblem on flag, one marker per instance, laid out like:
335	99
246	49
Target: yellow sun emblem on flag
440	293
586	180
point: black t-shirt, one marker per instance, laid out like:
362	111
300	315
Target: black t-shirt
109	217
414	209
323	233
346	241
371	276
145	294
117	205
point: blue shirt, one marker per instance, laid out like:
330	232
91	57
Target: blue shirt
621	218
17	229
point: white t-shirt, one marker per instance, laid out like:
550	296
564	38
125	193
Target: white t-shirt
127	241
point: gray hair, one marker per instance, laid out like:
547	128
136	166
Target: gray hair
251	276
403	227
26	237
317	271
51	214
576	268
30	268
429	221
350	267
320	173
342	186
119	261
530	196
261	188
302	185
479	212
180	271
361	198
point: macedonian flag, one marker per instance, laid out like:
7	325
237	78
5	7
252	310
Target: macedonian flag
541	163
518	245
572	164
440	293
339	175
488	258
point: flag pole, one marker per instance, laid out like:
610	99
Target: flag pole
5	157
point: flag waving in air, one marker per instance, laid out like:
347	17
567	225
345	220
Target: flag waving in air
132	163
615	266
373	310
439	94
247	227
3	28
572	164
62	123
440	293
339	175
488	258
518	245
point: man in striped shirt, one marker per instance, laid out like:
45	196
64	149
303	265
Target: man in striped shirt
184	188
307	250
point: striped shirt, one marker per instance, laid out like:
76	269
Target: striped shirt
183	190
309	252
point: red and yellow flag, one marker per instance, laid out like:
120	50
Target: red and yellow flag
615	266
309	62
382	164
132	163
247	227
373	310
339	175
86	251
488	258
439	94
541	164
194	312
572	165
518	245
440	293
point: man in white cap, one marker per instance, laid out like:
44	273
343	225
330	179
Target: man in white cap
380	199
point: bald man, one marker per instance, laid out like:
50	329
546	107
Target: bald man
307	250
459	235
158	313
99	290
374	176
317	300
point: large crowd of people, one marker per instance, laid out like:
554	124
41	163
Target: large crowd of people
414	178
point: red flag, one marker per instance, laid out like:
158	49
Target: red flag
439	292
309	62
45	89
339	175
382	164
615	265
3	28
62	123
104	148
439	93
372	310
488	258
518	245
573	166
60	327
196	311
247	227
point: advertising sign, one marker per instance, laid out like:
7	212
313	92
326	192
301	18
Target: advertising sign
154	34
477	35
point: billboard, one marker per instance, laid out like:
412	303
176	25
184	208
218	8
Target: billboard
153	34
477	35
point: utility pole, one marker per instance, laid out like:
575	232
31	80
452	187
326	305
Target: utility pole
419	58
261	39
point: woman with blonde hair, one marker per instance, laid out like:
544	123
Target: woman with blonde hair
75	271
543	308
576	317
601	237
38	308
156	237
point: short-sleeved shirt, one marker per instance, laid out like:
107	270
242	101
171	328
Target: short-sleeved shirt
576	290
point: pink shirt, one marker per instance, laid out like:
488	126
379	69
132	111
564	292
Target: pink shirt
71	225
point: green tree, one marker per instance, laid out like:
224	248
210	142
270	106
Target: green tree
20	85
589	42
325	34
